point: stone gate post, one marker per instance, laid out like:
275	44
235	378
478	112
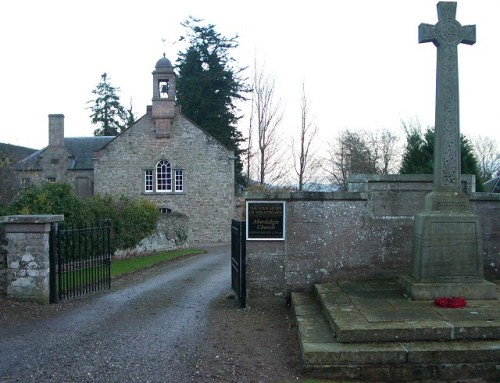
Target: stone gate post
27	240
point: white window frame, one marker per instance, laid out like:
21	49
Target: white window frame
163	176
179	180
148	181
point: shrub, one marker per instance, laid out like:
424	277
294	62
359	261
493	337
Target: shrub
131	219
50	198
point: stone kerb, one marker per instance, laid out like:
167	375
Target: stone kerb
27	246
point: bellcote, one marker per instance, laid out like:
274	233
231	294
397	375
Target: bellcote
163	108
163	80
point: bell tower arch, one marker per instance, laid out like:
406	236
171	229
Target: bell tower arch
163	108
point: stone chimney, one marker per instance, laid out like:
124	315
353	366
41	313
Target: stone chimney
56	129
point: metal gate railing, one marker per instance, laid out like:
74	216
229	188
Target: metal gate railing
80	261
238	261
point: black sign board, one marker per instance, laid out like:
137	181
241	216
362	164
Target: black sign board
265	220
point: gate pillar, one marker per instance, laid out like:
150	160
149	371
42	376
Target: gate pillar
27	240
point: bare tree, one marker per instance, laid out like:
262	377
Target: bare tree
305	164
488	156
347	155
249	152
267	115
360	152
384	149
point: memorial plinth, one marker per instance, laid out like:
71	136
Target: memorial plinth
447	257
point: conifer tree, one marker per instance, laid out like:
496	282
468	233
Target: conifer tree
107	112
208	85
418	157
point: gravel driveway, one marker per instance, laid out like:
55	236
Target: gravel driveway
146	330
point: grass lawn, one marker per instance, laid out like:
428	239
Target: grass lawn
129	265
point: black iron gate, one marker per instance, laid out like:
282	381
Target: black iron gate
80	261
238	260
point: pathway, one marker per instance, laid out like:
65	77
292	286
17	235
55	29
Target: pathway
147	331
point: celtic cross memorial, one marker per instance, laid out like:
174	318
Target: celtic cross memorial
447	257
446	35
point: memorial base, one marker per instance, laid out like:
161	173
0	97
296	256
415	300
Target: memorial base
421	291
447	258
447	247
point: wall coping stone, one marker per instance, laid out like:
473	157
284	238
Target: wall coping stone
306	196
356	178
485	197
31	219
358	182
401	178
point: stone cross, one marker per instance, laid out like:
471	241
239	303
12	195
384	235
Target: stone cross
446	35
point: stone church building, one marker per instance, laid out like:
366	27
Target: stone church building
163	157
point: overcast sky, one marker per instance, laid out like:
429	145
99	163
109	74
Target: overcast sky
360	60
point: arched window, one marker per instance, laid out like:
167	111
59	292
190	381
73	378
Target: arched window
163	176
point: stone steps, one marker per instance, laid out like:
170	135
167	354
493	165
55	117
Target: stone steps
377	355
386	315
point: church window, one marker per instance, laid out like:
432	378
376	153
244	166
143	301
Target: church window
163	176
25	183
148	187
165	210
179	182
51	180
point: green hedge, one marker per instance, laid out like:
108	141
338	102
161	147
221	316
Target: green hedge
131	219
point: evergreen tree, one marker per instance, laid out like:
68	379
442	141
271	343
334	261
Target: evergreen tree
208	85
107	112
419	155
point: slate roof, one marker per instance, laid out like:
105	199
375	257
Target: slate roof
15	152
81	149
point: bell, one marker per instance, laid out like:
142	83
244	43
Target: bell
164	88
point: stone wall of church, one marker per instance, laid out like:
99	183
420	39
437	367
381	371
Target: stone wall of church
81	180
208	171
354	235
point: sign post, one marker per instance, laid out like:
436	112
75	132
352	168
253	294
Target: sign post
265	220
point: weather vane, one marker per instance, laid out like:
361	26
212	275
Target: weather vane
164	41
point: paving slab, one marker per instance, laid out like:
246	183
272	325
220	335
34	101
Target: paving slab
477	314
345	353
453	352
348	332
377	311
400	315
314	331
475	330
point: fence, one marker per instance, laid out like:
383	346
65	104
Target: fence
80	261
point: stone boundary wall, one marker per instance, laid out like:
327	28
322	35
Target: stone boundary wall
172	232
364	233
3	262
